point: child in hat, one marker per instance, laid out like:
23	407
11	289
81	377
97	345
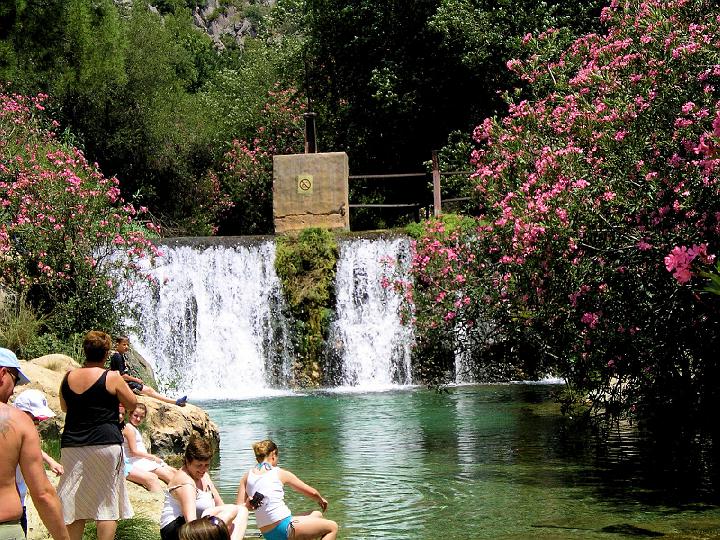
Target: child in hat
34	404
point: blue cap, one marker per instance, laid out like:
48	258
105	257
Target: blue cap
8	359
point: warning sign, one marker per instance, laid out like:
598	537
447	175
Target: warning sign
305	184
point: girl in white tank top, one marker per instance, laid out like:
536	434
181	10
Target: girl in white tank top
261	489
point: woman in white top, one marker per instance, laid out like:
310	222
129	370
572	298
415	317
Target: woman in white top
144	468
192	495
261	489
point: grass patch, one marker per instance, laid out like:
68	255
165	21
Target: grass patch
51	446
19	324
137	528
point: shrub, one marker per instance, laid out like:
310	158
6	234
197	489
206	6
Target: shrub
66	238
585	190
247	173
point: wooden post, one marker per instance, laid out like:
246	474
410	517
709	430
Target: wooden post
310	133
437	198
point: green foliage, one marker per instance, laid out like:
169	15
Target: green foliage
306	267
391	83
50	343
19	324
66	238
713	277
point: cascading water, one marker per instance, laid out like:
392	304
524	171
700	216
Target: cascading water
371	342
212	327
213	324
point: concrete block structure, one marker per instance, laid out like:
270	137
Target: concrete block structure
310	190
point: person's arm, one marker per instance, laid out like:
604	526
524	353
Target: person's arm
242	497
117	363
63	405
41	490
216	496
286	477
54	465
185	495
122	391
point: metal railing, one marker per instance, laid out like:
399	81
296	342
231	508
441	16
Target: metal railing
436	174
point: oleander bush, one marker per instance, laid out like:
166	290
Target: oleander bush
599	206
67	239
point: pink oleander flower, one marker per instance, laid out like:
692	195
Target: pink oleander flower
680	259
591	319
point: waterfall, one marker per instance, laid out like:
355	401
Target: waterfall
372	344
212	325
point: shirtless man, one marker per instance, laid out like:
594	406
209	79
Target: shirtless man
20	444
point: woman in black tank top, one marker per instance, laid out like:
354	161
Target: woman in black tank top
93	486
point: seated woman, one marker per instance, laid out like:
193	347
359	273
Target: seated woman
261	489
142	467
192	495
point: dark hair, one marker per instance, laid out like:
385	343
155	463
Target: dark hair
206	528
96	346
198	449
263	449
120	339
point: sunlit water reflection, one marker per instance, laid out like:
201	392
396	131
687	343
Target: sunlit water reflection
477	462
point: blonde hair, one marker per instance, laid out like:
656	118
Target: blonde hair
263	449
141	407
207	528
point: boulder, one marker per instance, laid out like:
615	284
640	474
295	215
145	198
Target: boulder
167	428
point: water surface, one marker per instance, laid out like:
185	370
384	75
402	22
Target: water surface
495	462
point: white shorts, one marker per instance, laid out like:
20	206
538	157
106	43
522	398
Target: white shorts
148	465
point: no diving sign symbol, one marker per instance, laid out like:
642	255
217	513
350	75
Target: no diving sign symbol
305	184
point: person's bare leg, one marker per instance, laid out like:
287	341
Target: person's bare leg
165	473
240	524
106	529
310	527
76	529
146	479
151	392
234	516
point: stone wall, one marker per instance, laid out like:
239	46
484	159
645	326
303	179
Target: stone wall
310	190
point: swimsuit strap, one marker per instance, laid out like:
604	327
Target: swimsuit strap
181	485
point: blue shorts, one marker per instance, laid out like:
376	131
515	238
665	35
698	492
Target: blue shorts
280	532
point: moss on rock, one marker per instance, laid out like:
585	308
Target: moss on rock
306	266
